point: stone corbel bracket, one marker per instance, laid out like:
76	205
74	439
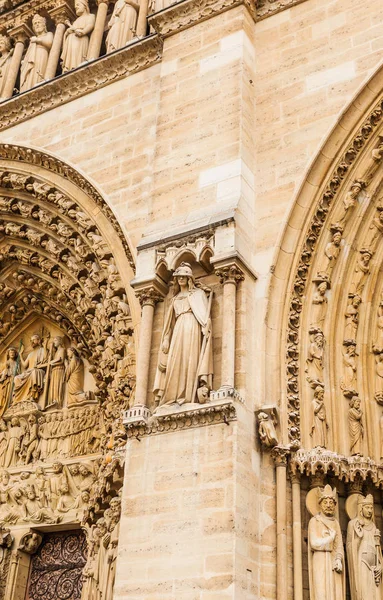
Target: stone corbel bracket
74	84
187	13
179	418
347	469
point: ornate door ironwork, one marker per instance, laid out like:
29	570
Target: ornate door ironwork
56	569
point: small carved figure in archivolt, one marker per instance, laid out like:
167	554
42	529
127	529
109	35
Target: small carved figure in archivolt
362	271
325	548
352	317
332	250
185	359
314	363
355	425
36	57
348	381
350	200
320	301
76	39
319	425
376	228
364	553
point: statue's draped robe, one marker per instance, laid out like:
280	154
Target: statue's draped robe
319	424
11	368
35	62
29	384
325	583
75	379
122	25
363	556
56	383
178	370
75	49
5	63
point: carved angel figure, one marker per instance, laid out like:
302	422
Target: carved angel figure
185	359
5	61
76	39
326	555
364	553
122	24
36	58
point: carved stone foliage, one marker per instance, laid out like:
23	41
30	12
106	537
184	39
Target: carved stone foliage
337	272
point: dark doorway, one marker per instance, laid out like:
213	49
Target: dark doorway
56	569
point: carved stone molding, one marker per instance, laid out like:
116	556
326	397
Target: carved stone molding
182	15
266	8
74	84
349	469
280	455
173	419
149	295
303	275
230	274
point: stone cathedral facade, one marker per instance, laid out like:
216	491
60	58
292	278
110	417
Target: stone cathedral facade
191	300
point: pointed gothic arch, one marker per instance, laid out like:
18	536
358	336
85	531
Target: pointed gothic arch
331	251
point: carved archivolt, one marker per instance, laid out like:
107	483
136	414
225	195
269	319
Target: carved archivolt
67	361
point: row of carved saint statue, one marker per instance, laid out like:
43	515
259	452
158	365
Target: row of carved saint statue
326	559
75	45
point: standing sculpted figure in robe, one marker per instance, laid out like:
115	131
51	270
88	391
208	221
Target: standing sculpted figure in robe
11	368
355	425
326	555
364	553
122	24
319	423
57	370
76	39
74	375
5	61
185	359
29	384
36	58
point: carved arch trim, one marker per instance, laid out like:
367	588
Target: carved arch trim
346	155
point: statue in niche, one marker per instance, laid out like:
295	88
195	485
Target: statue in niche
74	375
364	553
36	57
11	368
122	24
314	363
266	430
76	38
352	317
56	371
319	425
348	381
362	271
320	301
332	249
185	359
5	61
355	425
325	548
29	384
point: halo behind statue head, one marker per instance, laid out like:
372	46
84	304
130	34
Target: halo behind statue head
355	502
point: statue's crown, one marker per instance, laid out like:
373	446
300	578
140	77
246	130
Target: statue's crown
327	492
369	499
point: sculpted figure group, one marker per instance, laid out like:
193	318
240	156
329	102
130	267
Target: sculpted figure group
327	569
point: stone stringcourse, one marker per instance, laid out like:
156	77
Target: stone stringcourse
301	278
74	84
183	418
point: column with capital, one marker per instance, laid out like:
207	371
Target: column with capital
98	31
297	533
20	34
60	15
280	455
148	299
229	275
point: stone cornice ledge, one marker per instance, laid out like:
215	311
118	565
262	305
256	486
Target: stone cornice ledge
87	78
182	417
186	13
